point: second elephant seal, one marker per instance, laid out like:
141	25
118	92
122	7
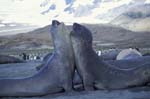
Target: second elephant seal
97	74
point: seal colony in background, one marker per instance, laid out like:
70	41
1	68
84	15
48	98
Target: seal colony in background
73	55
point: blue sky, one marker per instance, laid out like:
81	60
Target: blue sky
69	1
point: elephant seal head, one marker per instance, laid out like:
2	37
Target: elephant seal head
81	36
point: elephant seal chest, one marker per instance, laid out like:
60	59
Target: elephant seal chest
101	75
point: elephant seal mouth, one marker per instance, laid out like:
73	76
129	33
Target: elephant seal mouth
55	23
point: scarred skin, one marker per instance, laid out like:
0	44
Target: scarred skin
98	74
55	76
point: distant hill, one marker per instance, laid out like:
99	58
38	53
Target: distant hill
34	39
137	18
10	28
103	36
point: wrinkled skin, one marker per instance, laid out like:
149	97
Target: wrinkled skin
56	75
98	74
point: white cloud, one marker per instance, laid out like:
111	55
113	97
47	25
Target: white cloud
29	11
2	25
6	21
12	25
26	11
147	1
82	2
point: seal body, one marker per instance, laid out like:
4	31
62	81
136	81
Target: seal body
5	59
128	54
129	63
56	74
96	73
110	55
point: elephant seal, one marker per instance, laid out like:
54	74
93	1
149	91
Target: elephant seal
130	63
146	54
128	54
55	75
47	56
97	74
110	55
5	59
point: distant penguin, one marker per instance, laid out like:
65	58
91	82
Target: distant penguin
24	56
99	53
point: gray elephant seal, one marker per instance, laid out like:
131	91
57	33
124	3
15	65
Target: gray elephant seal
130	63
128	54
96	73
5	59
146	54
54	77
110	55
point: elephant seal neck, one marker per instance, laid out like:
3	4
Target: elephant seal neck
61	38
